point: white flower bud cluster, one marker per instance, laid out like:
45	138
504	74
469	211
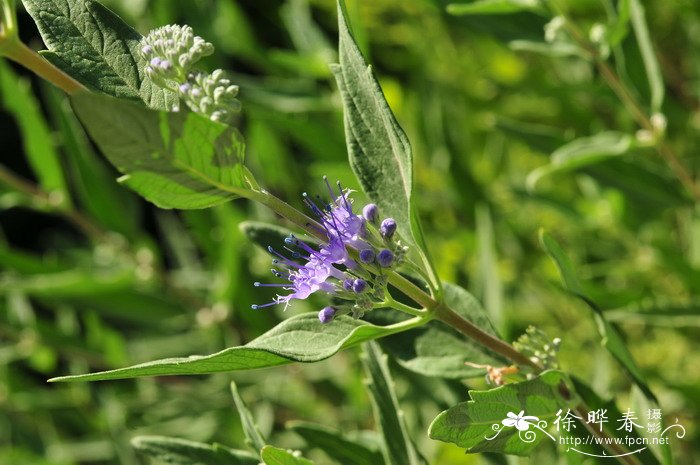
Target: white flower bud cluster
211	94
171	53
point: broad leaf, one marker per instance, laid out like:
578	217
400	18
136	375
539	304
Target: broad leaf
436	349
252	433
470	424
336	445
397	447
17	98
175	160
301	338
94	46
583	152
183	452
610	336
379	151
274	456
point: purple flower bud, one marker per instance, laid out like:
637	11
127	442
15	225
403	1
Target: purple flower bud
184	88
165	65
146	50
367	256
347	284
359	286
388	228
370	212
385	258
326	315
155	61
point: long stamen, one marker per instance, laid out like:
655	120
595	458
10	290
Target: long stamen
345	198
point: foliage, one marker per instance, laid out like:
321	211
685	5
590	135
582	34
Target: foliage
126	230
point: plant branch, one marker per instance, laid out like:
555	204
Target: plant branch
20	53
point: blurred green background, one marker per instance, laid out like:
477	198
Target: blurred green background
92	277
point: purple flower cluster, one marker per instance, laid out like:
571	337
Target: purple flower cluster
330	267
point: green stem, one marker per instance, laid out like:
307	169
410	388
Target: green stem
390	302
20	53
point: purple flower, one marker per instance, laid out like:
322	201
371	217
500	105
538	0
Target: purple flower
342	228
367	256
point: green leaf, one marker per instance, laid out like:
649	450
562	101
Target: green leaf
183	452
301	338
553	50
379	151
93	183
336	445
253	436
651	64
274	456
583	152
397	447
436	349
610	336
17	98
94	46
175	160
469	424
493	7
618	30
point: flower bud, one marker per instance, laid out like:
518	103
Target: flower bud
359	286
367	256
370	212
326	315
385	258
388	228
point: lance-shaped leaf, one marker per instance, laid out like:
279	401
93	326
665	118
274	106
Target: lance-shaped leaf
184	452
338	446
274	456
301	338
397	447
17	98
379	151
610	336
175	160
252	434
477	425
583	152
94	46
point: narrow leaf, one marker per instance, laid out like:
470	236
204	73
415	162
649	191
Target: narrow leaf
398	448
470	424
651	64
609	334
252	433
493	7
583	152
175	160
301	338
17	98
94	46
183	452
274	456
336	445
379	152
